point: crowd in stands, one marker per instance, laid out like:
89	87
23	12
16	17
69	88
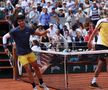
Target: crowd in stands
69	21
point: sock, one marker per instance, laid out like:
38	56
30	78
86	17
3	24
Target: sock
94	80
40	81
33	84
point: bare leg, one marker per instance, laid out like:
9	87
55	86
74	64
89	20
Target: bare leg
98	68
30	75
39	75
37	70
97	72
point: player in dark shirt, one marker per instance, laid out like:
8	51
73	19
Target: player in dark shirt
21	35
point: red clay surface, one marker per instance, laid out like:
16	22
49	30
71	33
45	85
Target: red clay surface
78	81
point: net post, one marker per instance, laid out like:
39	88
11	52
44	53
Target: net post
15	74
65	72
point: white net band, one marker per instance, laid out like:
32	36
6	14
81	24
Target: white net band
74	53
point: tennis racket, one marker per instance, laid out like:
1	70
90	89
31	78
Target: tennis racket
11	59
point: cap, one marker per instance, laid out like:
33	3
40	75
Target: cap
8	1
18	5
34	6
64	2
50	24
40	24
44	7
20	16
94	2
102	3
80	9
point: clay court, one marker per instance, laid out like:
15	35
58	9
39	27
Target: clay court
78	81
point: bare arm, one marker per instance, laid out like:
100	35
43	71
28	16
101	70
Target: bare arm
91	37
40	33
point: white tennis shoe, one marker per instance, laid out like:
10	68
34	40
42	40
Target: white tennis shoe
44	86
35	88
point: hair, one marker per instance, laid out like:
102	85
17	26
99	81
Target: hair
36	42
20	16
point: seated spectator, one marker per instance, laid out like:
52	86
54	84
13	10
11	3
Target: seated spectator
39	7
71	4
83	29
49	5
44	18
86	6
70	18
81	16
69	39
52	31
45	40
17	9
35	45
90	30
9	8
94	13
86	38
64	6
78	40
33	15
54	16
61	12
58	41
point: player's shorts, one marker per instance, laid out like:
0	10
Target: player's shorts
103	55
28	58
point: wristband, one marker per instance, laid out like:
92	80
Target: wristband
4	46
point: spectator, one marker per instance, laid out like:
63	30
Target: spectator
39	7
61	12
44	18
94	13
49	6
79	38
81	16
9	8
68	39
86	7
54	16
52	31
33	15
70	18
83	29
21	35
64	6
18	9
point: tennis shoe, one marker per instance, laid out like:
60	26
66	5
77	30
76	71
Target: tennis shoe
44	86
95	85
35	88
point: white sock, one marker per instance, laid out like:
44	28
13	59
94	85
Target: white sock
93	80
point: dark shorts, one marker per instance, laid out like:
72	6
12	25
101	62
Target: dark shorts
103	55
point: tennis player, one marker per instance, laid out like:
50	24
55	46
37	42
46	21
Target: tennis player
21	35
102	44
